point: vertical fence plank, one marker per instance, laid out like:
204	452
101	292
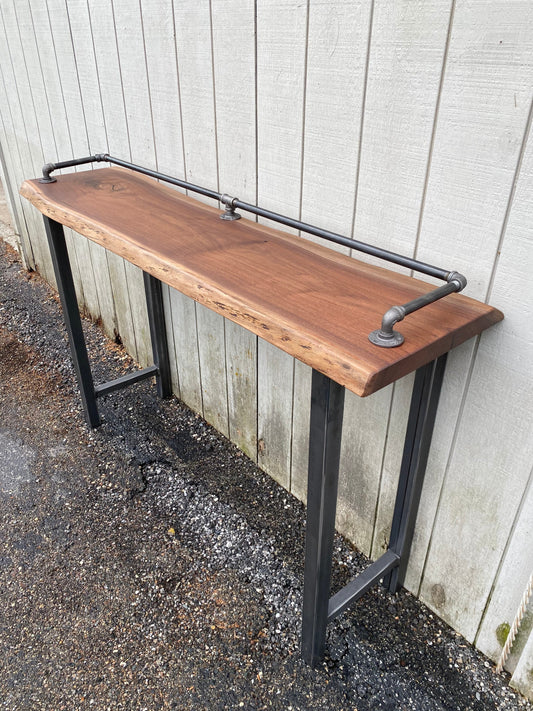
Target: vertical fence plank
301	406
274	411
186	349
195	63
69	135
457	580
364	437
97	26
7	201
514	268
138	117
211	349
522	679
80	72
482	114
94	271
53	130
281	56
511	581
404	70
25	129
389	464
85	68
234	26
241	365
336	57
13	169
160	50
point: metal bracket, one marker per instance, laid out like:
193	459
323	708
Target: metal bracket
229	213
387	337
48	168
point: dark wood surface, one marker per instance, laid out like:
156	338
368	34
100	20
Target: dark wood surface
308	300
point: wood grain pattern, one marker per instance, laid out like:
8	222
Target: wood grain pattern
313	303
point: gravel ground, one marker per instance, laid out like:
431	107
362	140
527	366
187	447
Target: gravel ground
150	565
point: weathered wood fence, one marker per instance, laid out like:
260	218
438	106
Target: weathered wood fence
406	124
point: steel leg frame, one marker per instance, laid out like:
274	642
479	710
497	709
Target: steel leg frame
71	314
158	333
327	402
327	406
67	294
422	414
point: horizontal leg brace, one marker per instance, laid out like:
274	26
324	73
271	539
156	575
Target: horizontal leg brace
125	380
357	587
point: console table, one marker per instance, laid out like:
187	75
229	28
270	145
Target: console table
318	305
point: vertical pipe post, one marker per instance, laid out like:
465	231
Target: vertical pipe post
71	315
422	413
158	333
327	405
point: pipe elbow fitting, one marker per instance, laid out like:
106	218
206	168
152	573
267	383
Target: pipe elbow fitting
456	278
386	336
391	318
47	170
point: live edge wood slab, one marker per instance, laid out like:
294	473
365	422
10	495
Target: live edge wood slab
310	301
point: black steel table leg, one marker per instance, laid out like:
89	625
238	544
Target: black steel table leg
158	333
71	313
422	413
327	405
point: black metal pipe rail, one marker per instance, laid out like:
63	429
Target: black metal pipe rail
385	336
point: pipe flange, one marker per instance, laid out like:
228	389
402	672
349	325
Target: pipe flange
229	203
47	178
384	339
